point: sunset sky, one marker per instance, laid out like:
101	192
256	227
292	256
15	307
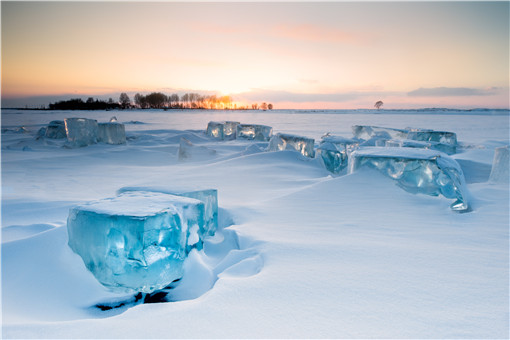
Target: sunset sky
330	55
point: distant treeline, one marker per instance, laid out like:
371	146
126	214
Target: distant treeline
158	100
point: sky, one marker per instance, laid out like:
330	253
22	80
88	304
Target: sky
329	55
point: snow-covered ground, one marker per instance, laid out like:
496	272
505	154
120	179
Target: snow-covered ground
299	253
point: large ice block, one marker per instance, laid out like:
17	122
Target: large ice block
335	150
417	170
408	143
368	132
284	141
500	172
137	241
111	133
207	196
56	129
254	132
216	130
81	131
442	140
222	130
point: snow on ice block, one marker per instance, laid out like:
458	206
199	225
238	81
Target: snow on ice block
417	171
222	130
368	132
188	150
137	241
207	196
56	129
111	133
81	131
284	141
443	140
500	172
335	150
254	132
407	143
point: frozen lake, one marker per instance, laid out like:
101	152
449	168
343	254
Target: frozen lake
301	253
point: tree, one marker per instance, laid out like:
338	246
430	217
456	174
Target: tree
263	106
270	106
124	100
378	104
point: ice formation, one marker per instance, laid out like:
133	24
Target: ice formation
111	133
440	140
56	129
222	130
499	172
215	130
367	132
254	132
417	171
335	150
137	241
207	196
284	141
188	150
81	131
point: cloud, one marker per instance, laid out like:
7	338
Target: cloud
257	95
452	92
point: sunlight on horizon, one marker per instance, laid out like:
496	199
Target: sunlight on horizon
294	53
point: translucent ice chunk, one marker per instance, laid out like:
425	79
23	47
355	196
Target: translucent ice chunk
442	140
111	133
417	171
188	150
499	172
81	131
136	242
215	130
56	129
368	132
254	132
222	130
335	150
207	196
407	143
284	141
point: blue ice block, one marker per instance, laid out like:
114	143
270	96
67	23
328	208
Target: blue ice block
417	170
207	196
442	140
254	132
56	129
335	150
111	133
222	130
137	241
285	141
368	132
81	131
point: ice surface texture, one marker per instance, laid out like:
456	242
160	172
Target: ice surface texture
81	131
137	241
111	133
222	130
499	172
417	171
444	141
284	141
207	196
335	150
254	132
56	129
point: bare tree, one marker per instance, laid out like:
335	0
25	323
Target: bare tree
124	100
263	106
378	104
270	106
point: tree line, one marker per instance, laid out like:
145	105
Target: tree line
158	100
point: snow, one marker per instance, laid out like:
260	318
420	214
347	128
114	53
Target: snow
299	252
